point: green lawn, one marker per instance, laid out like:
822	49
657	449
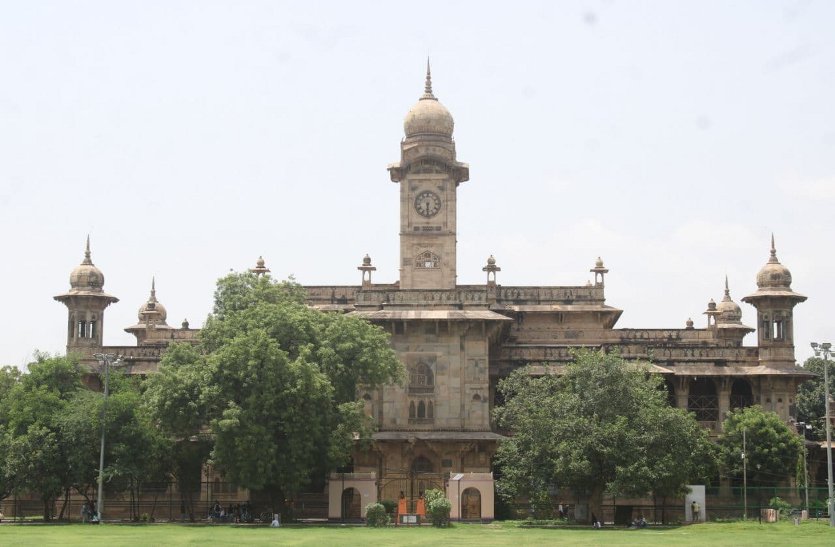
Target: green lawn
713	534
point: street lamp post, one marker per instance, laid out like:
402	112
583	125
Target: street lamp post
744	478
825	350
805	428
106	360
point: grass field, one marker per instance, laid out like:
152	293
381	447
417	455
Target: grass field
713	534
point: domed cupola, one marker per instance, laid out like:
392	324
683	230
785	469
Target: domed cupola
729	311
86	277
775	301
428	117
152	316
774	275
85	301
152	311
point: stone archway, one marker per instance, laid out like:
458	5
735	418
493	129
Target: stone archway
351	504
741	394
704	401
471	504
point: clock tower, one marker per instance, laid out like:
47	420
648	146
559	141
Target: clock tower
429	175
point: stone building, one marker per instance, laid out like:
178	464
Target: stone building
458	341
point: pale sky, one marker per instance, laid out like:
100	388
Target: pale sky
190	137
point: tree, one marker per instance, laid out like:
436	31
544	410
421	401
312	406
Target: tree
810	396
39	456
275	382
9	377
772	449
603	424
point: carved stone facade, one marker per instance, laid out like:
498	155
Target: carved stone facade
458	341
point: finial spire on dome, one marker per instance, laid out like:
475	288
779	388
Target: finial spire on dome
773	257
727	290
87	259
153	288
427	88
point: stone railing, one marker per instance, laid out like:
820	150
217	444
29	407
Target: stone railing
535	353
549	295
422	297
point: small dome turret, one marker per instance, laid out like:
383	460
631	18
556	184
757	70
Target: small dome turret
729	311
428	116
152	311
774	275
85	276
260	267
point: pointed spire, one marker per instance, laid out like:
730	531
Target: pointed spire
153	289
87	259
773	257
727	297
427	88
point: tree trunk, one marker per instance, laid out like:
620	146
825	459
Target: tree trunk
64	504
596	503
47	509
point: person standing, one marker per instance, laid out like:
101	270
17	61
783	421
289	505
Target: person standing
695	509
420	507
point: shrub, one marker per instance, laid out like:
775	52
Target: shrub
783	507
432	494
438	507
390	506
375	515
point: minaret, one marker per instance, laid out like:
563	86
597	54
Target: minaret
775	302
429	175
85	302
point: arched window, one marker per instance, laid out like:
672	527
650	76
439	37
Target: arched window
411	409
741	395
422	464
421	379
421	410
430	410
703	400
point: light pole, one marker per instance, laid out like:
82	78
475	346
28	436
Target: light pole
744	478
824	349
805	428
106	360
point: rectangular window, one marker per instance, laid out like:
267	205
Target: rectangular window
778	329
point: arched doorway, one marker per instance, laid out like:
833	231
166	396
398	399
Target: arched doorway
741	394
351	504
703	400
424	477
471	504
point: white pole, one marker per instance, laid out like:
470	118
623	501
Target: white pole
830	503
825	349
744	478
105	360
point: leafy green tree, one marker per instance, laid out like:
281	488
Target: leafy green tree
601	425
810	396
40	457
9	377
275	382
772	449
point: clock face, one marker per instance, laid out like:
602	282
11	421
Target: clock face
427	204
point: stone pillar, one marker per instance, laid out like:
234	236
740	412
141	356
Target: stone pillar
724	394
682	391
